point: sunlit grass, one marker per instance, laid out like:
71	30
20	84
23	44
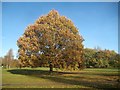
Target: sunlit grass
42	78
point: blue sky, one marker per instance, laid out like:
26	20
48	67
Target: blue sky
97	22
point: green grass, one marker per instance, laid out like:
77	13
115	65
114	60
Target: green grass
42	78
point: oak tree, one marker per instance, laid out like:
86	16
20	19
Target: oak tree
52	41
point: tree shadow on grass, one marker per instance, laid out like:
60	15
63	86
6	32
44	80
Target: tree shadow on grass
57	77
28	72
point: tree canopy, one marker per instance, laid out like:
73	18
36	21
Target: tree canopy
100	58
51	40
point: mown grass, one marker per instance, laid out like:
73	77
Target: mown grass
42	78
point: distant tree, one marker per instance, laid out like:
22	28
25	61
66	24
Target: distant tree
4	61
100	58
10	57
115	62
89	58
14	63
52	41
1	58
7	59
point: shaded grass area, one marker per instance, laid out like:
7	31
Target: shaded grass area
42	78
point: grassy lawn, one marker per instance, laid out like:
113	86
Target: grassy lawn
42	78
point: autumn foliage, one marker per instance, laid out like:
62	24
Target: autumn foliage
52	40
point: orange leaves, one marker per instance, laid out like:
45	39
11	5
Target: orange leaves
53	13
55	37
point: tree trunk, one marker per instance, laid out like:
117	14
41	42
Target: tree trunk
20	66
51	67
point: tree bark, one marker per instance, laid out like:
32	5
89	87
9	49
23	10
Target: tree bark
51	67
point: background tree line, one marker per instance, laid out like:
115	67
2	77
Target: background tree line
93	58
98	58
